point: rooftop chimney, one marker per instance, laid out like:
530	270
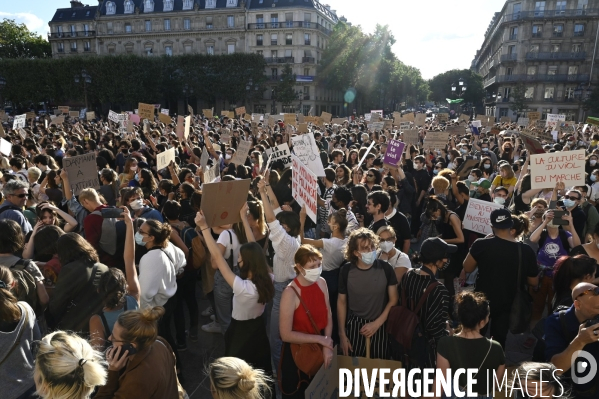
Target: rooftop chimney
76	3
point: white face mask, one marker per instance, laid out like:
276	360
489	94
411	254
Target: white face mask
593	162
471	178
227	156
499	200
386	246
136	205
313	274
133	168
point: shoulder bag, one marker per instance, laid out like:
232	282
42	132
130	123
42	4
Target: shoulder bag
307	357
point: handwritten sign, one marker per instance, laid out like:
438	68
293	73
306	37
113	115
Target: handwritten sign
280	153
207	113
74	114
505	119
326	116
90	115
305	148
554	120
241	155
190	109
113	116
533	116
420	120
304	187
19	122
478	214
377	126
164	111
164	118
179	129
146	111
548	169
436	139
442	118
289	119
410	137
5	147
187	126
83	172
523	121
164	158
395	149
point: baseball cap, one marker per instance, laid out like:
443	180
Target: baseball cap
501	219
436	248
485	184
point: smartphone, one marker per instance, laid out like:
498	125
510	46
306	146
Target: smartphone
125	348
109	213
557	218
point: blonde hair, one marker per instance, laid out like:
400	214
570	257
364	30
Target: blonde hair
386	229
89	194
140	326
509	171
67	367
233	378
440	184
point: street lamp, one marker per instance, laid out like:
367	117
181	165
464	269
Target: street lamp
187	92
273	109
86	79
578	93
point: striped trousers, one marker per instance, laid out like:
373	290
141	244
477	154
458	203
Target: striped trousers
378	342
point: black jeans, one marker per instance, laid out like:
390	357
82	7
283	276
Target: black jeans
164	327
186	294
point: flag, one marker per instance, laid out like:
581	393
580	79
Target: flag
456	101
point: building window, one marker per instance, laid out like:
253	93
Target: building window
514	33
86	46
273	39
260	52
307	19
503	111
260	21
73	46
148	26
539	8
148	50
531	70
306	92
569	113
230	21
259	40
210	49
289	19
148	5
129	48
128	28
569	93
167	24
73	31
549	93
187	4
109	28
578	30
274	73
537	31
111	50
552	70
274	54
168	50
187	24
59	31
306	71
209	23
307	39
168	5
231	48
529	93
560	7
544	112
110	8
210	3
129	7
274	20
188	48
555	48
288	39
572	70
232	3
576	48
288	54
61	47
558	30
581	8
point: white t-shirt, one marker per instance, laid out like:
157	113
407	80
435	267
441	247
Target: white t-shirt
245	300
225	240
332	253
400	259
594	193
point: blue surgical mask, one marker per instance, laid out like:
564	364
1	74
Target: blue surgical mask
139	239
369	257
435	171
568	203
593	178
463	150
487	166
137	177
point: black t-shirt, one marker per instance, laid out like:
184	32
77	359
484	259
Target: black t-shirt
423	180
400	224
375	226
497	278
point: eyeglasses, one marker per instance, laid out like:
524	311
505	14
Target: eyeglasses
19	195
571	198
595	291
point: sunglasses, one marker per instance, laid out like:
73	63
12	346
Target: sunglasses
571	198
595	291
19	195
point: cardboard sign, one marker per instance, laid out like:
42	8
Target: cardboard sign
164	118
436	140
2	133
505	119
30	115
222	201
478	214
83	172
379	112
420	120
554	120
164	158
5	147
395	149
455	130
280	153
63	109
548	169
74	114
404	126
240	111
305	148
338	121
241	155
257	117
410	137
146	111
387	124
289	119
326	116
19	121
207	113
487	120
464	118
187	126
134	118
57	121
442	118
180	128
465	168
22	133
302	128
90	115
523	121
533	116
304	187
409	117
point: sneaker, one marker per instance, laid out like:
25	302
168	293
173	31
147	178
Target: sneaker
208	311
213	317
213	327
181	347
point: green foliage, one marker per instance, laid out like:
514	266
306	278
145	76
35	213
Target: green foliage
285	89
519	99
354	59
440	86
128	79
16	41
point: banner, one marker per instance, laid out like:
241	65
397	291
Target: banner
395	149
83	172
304	187
548	169
305	148
280	153
478	214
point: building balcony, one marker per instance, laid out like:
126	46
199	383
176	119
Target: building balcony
308	60
537	35
279	60
289	25
581	55
543	78
509	57
513	37
548	14
490	81
62	35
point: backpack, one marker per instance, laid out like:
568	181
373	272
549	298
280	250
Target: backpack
27	290
562	235
403	325
112	240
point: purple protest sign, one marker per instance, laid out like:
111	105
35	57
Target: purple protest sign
395	149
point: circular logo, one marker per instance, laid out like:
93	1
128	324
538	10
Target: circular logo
224	215
584	367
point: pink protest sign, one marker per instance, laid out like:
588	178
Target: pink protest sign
134	118
395	149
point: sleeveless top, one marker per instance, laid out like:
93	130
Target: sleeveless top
314	299
110	317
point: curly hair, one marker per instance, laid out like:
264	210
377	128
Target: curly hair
355	239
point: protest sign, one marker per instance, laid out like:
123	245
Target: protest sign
464	118
280	152
523	121
22	133
387	124
257	117
134	118
442	118
204	159
305	148
3	115
5	147
420	120
20	121
533	146
164	118
241	155
379	112
533	116
187	126
302	128
477	124
164	158
409	117
207	113
113	116
436	140
146	111
289	119
376	126
395	149
301	118
225	137
478	214
304	187
568	129
130	126
367	117
222	201
240	111
179	129
164	111
553	120
190	109
63	109
326	116
487	120
505	119
404	126
29	115
211	174
83	172
465	168
2	133
548	169
73	114
366	153
90	115
57	121
453	130
410	137
338	121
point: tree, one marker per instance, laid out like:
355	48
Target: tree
440	86
16	41
519	99
285	89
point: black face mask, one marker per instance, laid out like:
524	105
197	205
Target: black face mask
334	206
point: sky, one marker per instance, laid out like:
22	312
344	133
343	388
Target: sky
434	35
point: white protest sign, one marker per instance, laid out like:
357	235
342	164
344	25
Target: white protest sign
113	116
523	122
83	172
280	152
211	174
305	148
548	169
367	117
554	120
476	124
187	126
304	187
241	155
5	147
204	158
477	216
164	158
164	111
20	121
